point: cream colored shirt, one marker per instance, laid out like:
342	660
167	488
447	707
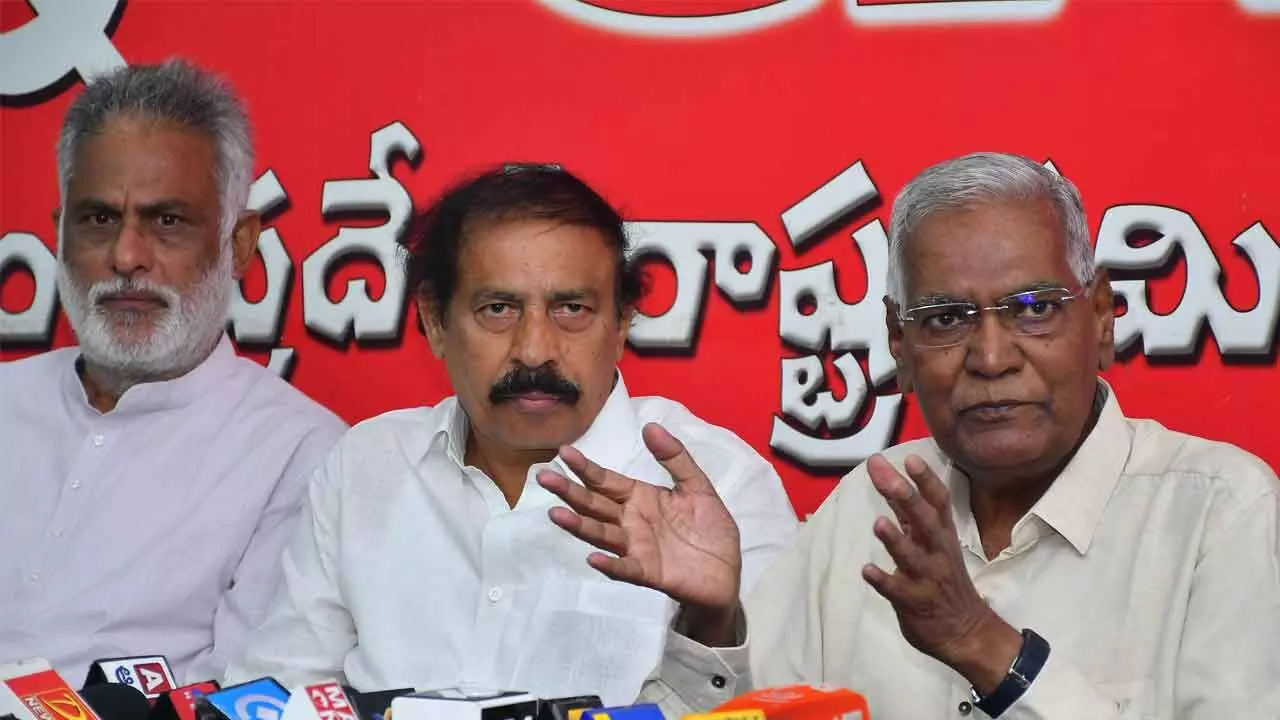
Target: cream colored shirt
1150	566
410	569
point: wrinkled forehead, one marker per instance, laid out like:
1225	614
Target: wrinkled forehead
986	252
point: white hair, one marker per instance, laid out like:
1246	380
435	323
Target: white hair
175	92
981	178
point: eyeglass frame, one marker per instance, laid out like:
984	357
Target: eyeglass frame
972	316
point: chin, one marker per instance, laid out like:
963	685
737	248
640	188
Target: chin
1002	450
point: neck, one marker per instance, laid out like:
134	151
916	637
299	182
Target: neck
105	385
507	467
998	500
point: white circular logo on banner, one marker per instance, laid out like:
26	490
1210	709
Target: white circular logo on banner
64	35
754	17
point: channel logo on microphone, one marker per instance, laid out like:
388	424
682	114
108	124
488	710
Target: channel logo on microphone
261	699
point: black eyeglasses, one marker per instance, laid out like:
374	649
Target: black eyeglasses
1033	312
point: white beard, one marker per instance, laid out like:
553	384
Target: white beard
182	334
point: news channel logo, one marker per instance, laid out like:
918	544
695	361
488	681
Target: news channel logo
258	700
123	675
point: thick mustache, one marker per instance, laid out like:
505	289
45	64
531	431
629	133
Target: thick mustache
525	380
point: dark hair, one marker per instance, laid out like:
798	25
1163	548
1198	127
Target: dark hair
506	194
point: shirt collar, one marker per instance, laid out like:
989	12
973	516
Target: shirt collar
611	441
150	397
1074	504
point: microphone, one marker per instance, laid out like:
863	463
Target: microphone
567	708
322	701
261	699
465	704
33	690
801	702
646	711
374	705
180	703
112	701
150	674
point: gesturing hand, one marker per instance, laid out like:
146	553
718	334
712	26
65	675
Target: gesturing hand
940	612
680	541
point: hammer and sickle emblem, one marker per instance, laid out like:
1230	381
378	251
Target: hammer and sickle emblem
64	36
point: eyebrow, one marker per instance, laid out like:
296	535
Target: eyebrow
494	295
160	207
572	295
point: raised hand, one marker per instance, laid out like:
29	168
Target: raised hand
940	612
680	541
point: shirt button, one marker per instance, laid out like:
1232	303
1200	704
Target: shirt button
55	533
97	440
965	707
495	594
717	681
34	577
75	484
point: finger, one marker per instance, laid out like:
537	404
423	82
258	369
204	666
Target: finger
585	502
605	536
669	451
906	554
888	586
932	489
916	516
612	485
627	570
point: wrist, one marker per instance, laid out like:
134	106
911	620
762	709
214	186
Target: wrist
983	656
710	626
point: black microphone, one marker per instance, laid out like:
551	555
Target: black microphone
374	705
113	701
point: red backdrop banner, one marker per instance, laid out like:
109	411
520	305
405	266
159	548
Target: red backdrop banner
755	147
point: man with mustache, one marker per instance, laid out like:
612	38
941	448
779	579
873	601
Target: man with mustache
1041	555
149	476
427	559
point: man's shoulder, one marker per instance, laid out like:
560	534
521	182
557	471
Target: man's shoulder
43	367
1173	456
264	391
715	443
404	428
30	382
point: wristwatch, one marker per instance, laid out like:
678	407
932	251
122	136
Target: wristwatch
1026	666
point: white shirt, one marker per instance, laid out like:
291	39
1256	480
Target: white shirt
410	569
1150	566
155	528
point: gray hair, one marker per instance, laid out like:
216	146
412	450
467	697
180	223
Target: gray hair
979	178
176	92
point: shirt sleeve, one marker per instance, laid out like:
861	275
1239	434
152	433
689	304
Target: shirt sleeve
257	576
694	678
308	630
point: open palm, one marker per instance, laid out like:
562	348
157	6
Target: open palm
680	541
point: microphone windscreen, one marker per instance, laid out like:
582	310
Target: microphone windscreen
112	701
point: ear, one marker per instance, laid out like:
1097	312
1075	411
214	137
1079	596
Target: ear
1104	317
624	328
244	243
906	380
57	218
432	318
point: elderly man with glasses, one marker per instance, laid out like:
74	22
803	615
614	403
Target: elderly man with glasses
1040	555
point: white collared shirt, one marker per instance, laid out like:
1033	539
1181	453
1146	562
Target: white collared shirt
1150	566
410	569
155	528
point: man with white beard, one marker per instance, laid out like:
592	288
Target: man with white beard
149	476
